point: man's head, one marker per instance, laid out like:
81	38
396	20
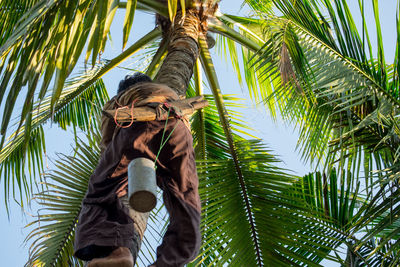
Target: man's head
130	80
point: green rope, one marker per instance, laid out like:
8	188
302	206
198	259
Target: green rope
162	138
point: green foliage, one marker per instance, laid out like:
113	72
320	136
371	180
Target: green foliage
348	103
54	228
53	35
26	146
79	105
314	68
310	64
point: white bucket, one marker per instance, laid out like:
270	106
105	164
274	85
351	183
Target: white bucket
142	185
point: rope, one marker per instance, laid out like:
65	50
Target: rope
164	130
162	137
124	107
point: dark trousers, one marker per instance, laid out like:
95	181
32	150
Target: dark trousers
104	222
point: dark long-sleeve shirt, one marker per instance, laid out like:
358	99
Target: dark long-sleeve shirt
142	94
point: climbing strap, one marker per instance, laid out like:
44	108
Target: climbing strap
156	111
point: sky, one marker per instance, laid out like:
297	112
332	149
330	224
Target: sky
279	136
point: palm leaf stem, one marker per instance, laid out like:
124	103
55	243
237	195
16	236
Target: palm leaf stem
66	239
218	26
215	88
201	145
157	59
149	37
156	6
241	26
197	78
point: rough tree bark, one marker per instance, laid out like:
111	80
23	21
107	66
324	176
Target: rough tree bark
183	51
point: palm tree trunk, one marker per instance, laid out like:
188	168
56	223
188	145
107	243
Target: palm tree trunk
140	224
183	51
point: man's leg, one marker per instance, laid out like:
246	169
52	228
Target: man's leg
182	239
104	223
179	183
124	257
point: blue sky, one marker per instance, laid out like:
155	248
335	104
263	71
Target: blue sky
279	137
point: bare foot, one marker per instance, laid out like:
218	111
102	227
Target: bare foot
120	257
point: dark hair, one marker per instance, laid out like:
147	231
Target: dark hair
130	80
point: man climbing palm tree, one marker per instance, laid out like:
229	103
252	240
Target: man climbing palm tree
105	231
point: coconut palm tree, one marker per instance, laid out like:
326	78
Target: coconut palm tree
309	63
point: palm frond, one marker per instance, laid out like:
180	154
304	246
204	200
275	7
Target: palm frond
212	79
349	95
11	12
199	136
335	200
361	257
26	147
333	196
379	221
296	239
53	234
230	182
338	202
341	90
83	96
42	35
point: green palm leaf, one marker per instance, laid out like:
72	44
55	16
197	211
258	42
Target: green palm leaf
282	225
27	145
317	109
343	101
339	203
350	97
334	200
53	35
244	176
361	258
11	12
53	235
79	105
379	221
344	81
